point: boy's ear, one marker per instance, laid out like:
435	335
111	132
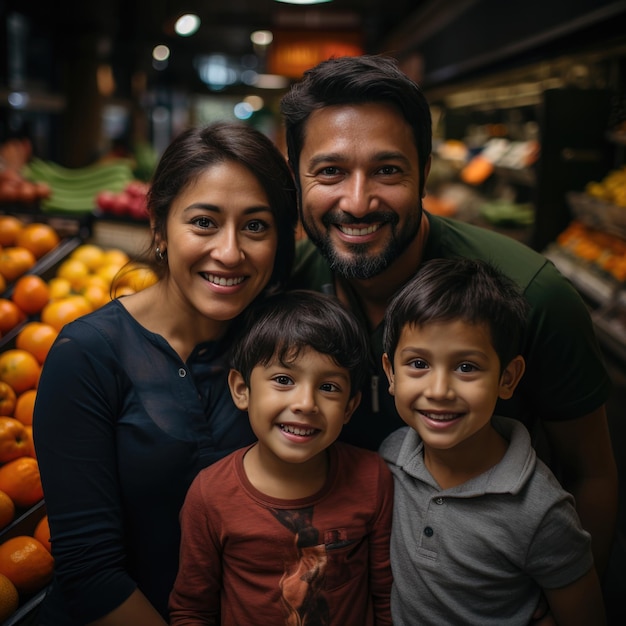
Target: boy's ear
238	389
353	403
511	376
388	367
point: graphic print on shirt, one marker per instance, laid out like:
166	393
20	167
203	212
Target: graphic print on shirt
302	584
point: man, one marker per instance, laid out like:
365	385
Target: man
358	135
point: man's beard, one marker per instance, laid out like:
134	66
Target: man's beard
359	263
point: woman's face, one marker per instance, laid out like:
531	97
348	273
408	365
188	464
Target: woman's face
221	242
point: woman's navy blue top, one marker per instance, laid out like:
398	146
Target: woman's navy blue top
122	425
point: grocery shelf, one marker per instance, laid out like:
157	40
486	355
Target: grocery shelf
609	316
24	524
591	284
21	616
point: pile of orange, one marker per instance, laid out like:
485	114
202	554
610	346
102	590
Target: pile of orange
22	245
27	563
9	598
35	310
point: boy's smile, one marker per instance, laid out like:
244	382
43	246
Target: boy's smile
296	409
446	380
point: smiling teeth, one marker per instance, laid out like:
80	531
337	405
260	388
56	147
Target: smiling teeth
295	430
441	417
359	231
224	282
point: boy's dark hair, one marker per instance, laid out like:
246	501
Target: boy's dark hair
474	291
356	80
283	325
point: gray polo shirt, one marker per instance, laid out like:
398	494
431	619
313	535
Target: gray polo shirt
479	553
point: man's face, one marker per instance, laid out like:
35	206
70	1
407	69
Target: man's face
360	181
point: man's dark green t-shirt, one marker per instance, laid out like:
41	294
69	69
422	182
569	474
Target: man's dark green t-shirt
565	376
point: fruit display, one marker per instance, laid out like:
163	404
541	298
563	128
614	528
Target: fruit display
16	189
130	202
599	250
612	188
74	190
33	309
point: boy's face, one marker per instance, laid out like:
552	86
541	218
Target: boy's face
446	380
298	410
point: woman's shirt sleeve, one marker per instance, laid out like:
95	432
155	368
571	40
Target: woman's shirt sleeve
78	397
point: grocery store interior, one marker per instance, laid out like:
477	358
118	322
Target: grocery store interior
529	121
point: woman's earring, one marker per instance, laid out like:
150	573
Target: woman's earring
160	254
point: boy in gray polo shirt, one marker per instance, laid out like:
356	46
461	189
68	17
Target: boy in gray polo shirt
481	526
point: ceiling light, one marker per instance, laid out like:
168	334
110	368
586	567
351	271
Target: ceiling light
262	37
303	1
161	53
187	24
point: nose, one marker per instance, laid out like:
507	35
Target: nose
227	248
358	198
304	400
439	387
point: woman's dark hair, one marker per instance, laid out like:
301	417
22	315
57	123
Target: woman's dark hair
356	80
197	149
474	291
282	326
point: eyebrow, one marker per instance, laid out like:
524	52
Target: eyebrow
334	157
457	354
217	209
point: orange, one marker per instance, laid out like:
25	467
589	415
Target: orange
108	272
28	429
15	261
8	399
36	338
31	293
60	312
42	533
38	238
26	563
73	270
20	369
136	277
90	254
9	598
21	481
115	256
7	510
59	288
96	295
10	226
14	442
10	315
24	406
3	284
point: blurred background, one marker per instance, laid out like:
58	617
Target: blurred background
528	102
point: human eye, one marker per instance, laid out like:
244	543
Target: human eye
328	173
282	380
389	170
467	368
418	364
330	387
203	221
257	226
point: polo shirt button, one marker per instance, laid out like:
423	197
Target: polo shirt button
428	531
182	372
438	500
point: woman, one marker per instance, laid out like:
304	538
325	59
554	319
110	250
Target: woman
133	398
